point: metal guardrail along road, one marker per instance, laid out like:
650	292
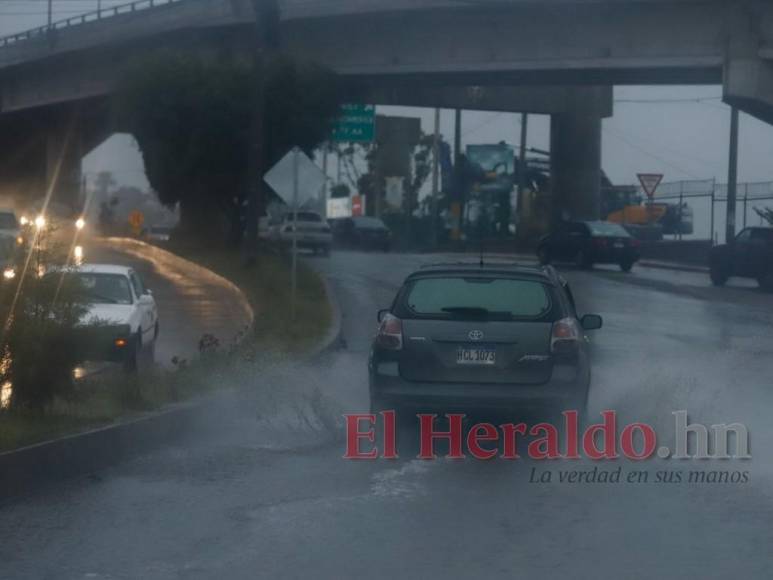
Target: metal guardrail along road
86	17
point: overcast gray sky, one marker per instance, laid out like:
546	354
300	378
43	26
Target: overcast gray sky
679	131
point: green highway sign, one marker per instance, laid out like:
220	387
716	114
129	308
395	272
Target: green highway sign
357	123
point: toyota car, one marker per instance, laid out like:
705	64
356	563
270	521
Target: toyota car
481	336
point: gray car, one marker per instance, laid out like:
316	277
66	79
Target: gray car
471	336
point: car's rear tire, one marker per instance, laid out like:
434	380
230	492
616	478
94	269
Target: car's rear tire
718	275
626	265
543	255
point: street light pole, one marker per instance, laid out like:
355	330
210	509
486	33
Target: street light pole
50	13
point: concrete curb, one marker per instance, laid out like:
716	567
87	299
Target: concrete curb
674	266
25	469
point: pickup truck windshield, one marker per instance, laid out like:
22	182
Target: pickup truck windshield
104	288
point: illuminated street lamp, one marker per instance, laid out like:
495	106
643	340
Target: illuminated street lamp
80	223
40	222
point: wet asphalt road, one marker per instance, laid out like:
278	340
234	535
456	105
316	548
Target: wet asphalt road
191	302
262	490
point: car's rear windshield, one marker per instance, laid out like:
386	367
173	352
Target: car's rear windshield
103	288
477	297
608	229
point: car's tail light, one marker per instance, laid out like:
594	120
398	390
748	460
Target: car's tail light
390	333
635	243
565	336
600	242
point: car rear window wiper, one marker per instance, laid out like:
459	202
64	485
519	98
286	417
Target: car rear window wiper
467	310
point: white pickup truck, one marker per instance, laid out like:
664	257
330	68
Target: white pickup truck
122	318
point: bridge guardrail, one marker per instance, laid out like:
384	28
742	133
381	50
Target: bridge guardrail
86	17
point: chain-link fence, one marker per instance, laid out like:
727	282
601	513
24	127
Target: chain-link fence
708	201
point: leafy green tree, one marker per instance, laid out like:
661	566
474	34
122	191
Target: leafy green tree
39	344
765	213
191	118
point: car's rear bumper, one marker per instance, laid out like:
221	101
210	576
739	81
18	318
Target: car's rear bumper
567	389
615	256
309	240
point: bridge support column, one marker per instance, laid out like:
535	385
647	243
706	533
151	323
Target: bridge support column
576	165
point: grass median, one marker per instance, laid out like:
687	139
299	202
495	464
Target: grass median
223	362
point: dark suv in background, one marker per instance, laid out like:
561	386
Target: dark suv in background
590	242
362	232
749	256
466	336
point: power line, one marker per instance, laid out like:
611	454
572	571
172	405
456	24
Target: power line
648	153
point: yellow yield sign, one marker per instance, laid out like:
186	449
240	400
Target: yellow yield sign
136	219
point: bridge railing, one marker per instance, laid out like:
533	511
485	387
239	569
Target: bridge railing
93	16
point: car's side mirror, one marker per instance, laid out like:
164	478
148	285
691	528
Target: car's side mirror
592	322
148	291
381	314
145	299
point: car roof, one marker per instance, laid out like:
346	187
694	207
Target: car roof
534	271
103	269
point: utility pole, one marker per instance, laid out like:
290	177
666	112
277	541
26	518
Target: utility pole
266	40
458	204
50	13
732	177
324	195
435	176
522	172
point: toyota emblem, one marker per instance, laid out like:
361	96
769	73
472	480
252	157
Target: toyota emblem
476	335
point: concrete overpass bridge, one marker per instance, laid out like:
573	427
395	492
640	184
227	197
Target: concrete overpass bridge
556	57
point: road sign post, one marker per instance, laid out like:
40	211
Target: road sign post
296	179
294	274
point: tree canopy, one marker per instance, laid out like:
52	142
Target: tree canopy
191	117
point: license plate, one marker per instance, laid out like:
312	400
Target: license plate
618	245
476	356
